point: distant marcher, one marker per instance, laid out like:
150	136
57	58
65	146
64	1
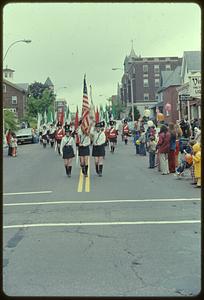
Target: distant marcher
67	149
98	152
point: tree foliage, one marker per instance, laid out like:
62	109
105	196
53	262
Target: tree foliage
40	99
10	120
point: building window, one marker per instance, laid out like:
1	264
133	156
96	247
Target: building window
146	83
157	97
168	67
156	82
6	75
4	88
156	68
14	99
146	97
145	68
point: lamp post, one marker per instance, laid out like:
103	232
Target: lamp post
19	41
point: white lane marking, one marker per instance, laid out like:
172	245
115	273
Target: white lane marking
27	193
102	224
98	202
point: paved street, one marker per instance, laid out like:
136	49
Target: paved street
132	232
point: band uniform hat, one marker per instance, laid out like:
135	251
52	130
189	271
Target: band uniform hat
125	121
97	125
102	124
111	123
67	128
59	124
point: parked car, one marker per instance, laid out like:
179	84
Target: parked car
25	135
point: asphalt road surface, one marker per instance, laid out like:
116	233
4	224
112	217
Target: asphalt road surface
132	232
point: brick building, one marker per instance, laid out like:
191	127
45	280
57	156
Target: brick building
14	98
141	79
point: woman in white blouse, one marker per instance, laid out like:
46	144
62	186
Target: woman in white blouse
84	151
99	139
67	149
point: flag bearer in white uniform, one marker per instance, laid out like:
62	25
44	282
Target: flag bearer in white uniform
84	151
98	151
67	149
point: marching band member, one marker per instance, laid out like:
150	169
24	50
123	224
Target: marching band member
125	131
84	151
44	136
67	150
98	151
52	135
59	135
113	135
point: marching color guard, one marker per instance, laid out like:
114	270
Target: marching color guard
84	151
98	151
125	131
113	135
44	136
52	135
67	150
59	135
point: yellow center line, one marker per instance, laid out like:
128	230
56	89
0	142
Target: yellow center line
87	184
81	180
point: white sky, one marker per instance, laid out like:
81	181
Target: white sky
70	39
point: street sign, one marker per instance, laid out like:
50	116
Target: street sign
195	86
184	97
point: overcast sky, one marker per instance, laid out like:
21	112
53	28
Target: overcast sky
70	39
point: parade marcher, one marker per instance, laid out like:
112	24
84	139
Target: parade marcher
125	131
112	135
8	140
98	151
13	144
84	151
44	136
59	133
52	135
67	149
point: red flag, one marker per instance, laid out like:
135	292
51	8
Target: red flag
97	115
76	122
85	108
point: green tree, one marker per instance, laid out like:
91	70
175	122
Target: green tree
10	121
136	113
44	102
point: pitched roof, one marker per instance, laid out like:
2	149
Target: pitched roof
24	86
49	82
170	78
14	85
193	60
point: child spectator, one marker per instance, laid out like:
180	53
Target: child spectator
137	142
152	150
13	144
142	141
197	163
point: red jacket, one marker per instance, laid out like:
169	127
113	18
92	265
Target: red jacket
59	134
163	144
112	133
125	129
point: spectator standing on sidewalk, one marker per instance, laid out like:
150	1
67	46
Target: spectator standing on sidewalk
152	150
163	147
197	163
8	140
171	154
13	144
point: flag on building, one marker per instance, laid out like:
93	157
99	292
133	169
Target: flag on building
85	108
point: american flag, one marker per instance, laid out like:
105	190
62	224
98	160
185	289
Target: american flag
85	108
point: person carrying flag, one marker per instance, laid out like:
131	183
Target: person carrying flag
52	135
112	136
67	149
58	136
98	150
83	148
